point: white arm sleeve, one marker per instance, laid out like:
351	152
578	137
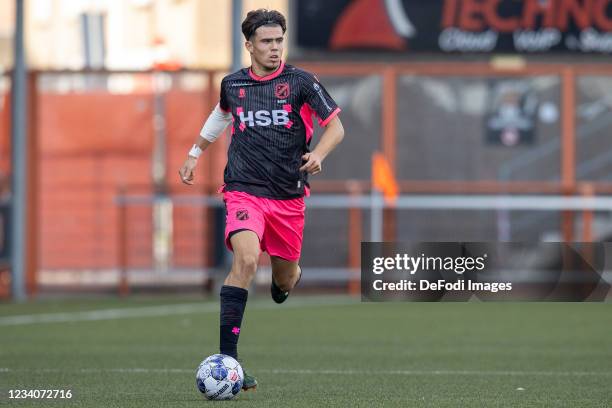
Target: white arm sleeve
215	124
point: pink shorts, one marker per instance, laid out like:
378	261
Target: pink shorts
279	224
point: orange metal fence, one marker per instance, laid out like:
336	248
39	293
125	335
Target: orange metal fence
89	144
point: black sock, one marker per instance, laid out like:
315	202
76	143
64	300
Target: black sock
233	302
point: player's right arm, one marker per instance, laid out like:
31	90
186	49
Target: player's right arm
216	123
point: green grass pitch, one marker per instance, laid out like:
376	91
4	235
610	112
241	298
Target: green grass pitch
322	351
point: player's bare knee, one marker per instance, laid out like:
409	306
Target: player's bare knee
285	286
245	264
282	283
287	281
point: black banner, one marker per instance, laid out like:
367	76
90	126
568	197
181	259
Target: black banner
456	26
462	271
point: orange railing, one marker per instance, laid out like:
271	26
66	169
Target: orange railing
568	184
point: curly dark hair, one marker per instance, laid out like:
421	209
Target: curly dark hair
262	17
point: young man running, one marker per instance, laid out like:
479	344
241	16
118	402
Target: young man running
271	105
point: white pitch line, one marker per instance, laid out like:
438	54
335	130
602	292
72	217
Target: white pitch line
441	372
327	372
156	311
106	314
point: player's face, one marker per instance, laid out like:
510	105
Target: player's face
266	47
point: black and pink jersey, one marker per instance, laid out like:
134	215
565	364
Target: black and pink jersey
271	130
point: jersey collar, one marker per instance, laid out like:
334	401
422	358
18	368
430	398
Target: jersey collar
267	77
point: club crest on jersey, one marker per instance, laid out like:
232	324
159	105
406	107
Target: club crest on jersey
242	214
281	90
241	93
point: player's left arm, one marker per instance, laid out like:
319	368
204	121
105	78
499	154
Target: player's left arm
331	137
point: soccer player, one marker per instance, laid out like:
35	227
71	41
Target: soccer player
270	107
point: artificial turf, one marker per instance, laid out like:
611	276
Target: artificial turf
321	351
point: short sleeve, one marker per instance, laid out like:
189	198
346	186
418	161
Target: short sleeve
223	100
319	99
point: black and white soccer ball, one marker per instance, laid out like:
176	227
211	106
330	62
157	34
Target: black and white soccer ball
219	377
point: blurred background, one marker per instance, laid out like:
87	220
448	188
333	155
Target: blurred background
465	121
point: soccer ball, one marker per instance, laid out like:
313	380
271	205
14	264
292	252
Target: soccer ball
219	377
